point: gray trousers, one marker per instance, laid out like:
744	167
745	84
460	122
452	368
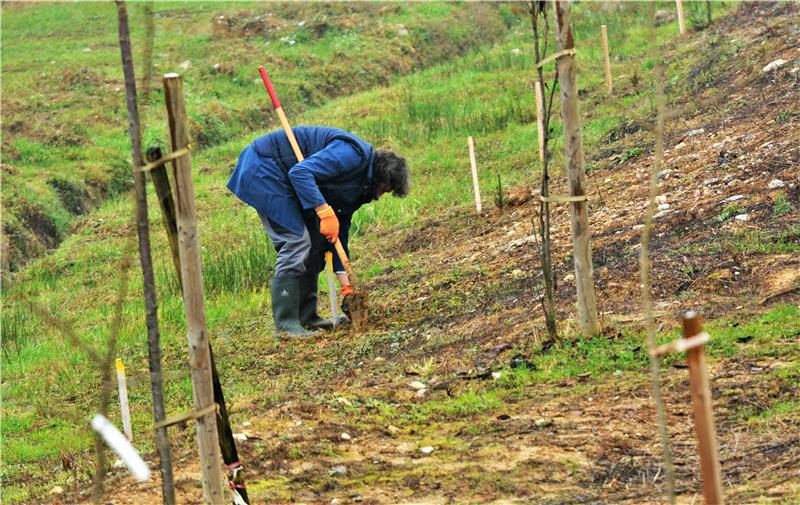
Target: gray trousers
293	250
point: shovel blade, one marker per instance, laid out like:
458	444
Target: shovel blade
359	310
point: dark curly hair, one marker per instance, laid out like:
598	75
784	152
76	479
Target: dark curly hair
390	170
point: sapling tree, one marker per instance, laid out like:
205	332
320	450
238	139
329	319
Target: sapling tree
537	10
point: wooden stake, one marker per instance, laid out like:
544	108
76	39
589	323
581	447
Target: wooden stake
193	295
540	119
474	166
124	409
579	216
167	205
681	23
703	416
145	257
227	444
606	60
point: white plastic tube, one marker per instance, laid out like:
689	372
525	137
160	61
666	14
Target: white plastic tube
331	287
122	447
124	409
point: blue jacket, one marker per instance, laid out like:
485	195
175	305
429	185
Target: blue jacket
337	170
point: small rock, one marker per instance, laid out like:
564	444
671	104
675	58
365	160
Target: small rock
776	183
663	206
345	436
709	182
773	65
421	393
734	198
426	450
240	437
496	375
664	174
394	430
542	422
416	385
694	133
661	199
338	470
663	17
662	213
57	490
336	501
742	217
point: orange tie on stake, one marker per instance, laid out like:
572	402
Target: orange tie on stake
358	300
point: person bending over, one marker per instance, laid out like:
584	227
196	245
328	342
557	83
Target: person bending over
305	207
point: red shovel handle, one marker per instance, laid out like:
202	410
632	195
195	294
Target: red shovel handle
274	97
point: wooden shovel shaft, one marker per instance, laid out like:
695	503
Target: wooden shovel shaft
296	148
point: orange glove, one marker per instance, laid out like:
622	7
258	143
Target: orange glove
328	224
347	290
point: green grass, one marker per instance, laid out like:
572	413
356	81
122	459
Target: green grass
781	205
63	109
729	212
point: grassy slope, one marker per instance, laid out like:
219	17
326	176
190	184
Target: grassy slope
64	138
425	116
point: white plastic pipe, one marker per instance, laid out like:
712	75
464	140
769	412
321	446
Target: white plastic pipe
121	447
125	410
331	287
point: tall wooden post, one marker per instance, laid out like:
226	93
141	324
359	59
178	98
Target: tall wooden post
540	118
579	217
227	444
681	22
703	415
145	257
474	166
606	59
193	296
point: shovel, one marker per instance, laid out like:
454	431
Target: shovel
358	300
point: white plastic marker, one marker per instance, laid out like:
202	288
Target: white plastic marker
123	400
474	166
331	286
120	445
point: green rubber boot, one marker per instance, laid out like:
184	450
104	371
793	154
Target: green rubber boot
285	293
308	305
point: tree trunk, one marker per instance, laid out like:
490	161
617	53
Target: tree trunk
151	307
